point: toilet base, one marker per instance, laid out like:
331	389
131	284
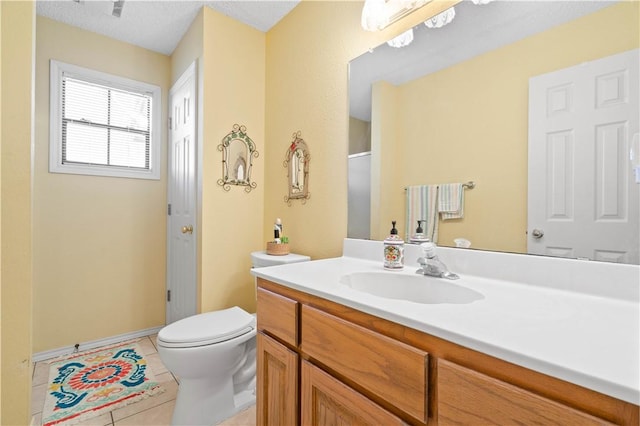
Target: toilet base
200	402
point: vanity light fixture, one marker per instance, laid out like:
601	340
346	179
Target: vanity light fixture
378	14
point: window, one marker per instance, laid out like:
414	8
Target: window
103	125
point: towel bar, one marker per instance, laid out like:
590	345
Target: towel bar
469	185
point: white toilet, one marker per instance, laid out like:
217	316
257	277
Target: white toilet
214	357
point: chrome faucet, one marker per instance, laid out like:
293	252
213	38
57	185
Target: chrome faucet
431	265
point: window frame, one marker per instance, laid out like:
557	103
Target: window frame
57	70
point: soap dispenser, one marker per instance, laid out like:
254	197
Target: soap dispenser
393	249
419	237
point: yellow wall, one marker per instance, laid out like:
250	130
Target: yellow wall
484	141
188	49
233	93
307	87
99	242
385	170
17	28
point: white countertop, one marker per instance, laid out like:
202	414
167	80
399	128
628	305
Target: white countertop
590	340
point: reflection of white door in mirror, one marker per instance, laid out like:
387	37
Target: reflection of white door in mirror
582	196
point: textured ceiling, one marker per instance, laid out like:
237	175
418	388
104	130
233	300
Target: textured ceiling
158	25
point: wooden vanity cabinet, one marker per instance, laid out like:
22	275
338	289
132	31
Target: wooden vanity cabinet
327	401
466	397
322	363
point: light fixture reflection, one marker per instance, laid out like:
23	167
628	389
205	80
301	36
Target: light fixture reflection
374	17
441	19
402	40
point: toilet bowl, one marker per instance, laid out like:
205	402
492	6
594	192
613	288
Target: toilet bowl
214	357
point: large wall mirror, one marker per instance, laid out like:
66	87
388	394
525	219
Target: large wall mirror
454	106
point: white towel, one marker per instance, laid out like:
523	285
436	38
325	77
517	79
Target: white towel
451	201
422	204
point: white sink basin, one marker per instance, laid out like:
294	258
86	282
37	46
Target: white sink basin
412	288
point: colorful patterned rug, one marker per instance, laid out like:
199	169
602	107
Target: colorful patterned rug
88	384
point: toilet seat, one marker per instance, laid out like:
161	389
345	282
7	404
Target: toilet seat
207	329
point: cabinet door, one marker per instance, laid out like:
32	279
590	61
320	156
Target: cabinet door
466	397
386	368
326	401
277	383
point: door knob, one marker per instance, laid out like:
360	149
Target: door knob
537	233
187	229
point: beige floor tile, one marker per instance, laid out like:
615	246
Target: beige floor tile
157	416
153	338
40	373
244	418
171	390
38	393
165	377
156	365
146	346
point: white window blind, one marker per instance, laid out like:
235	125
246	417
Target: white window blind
102	124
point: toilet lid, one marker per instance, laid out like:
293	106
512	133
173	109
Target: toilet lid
207	328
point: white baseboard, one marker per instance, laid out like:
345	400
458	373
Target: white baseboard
41	356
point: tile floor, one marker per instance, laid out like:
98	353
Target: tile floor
155	410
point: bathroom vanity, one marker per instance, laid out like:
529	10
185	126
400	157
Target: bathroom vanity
331	352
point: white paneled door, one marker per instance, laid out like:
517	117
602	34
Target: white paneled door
583	200
181	210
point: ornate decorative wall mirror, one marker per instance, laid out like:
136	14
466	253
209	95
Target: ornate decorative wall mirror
296	162
238	151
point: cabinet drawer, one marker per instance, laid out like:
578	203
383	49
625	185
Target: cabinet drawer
278	316
468	397
386	368
326	401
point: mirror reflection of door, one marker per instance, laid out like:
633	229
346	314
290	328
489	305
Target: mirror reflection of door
582	198
238	160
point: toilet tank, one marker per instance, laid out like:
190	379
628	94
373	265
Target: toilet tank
260	259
